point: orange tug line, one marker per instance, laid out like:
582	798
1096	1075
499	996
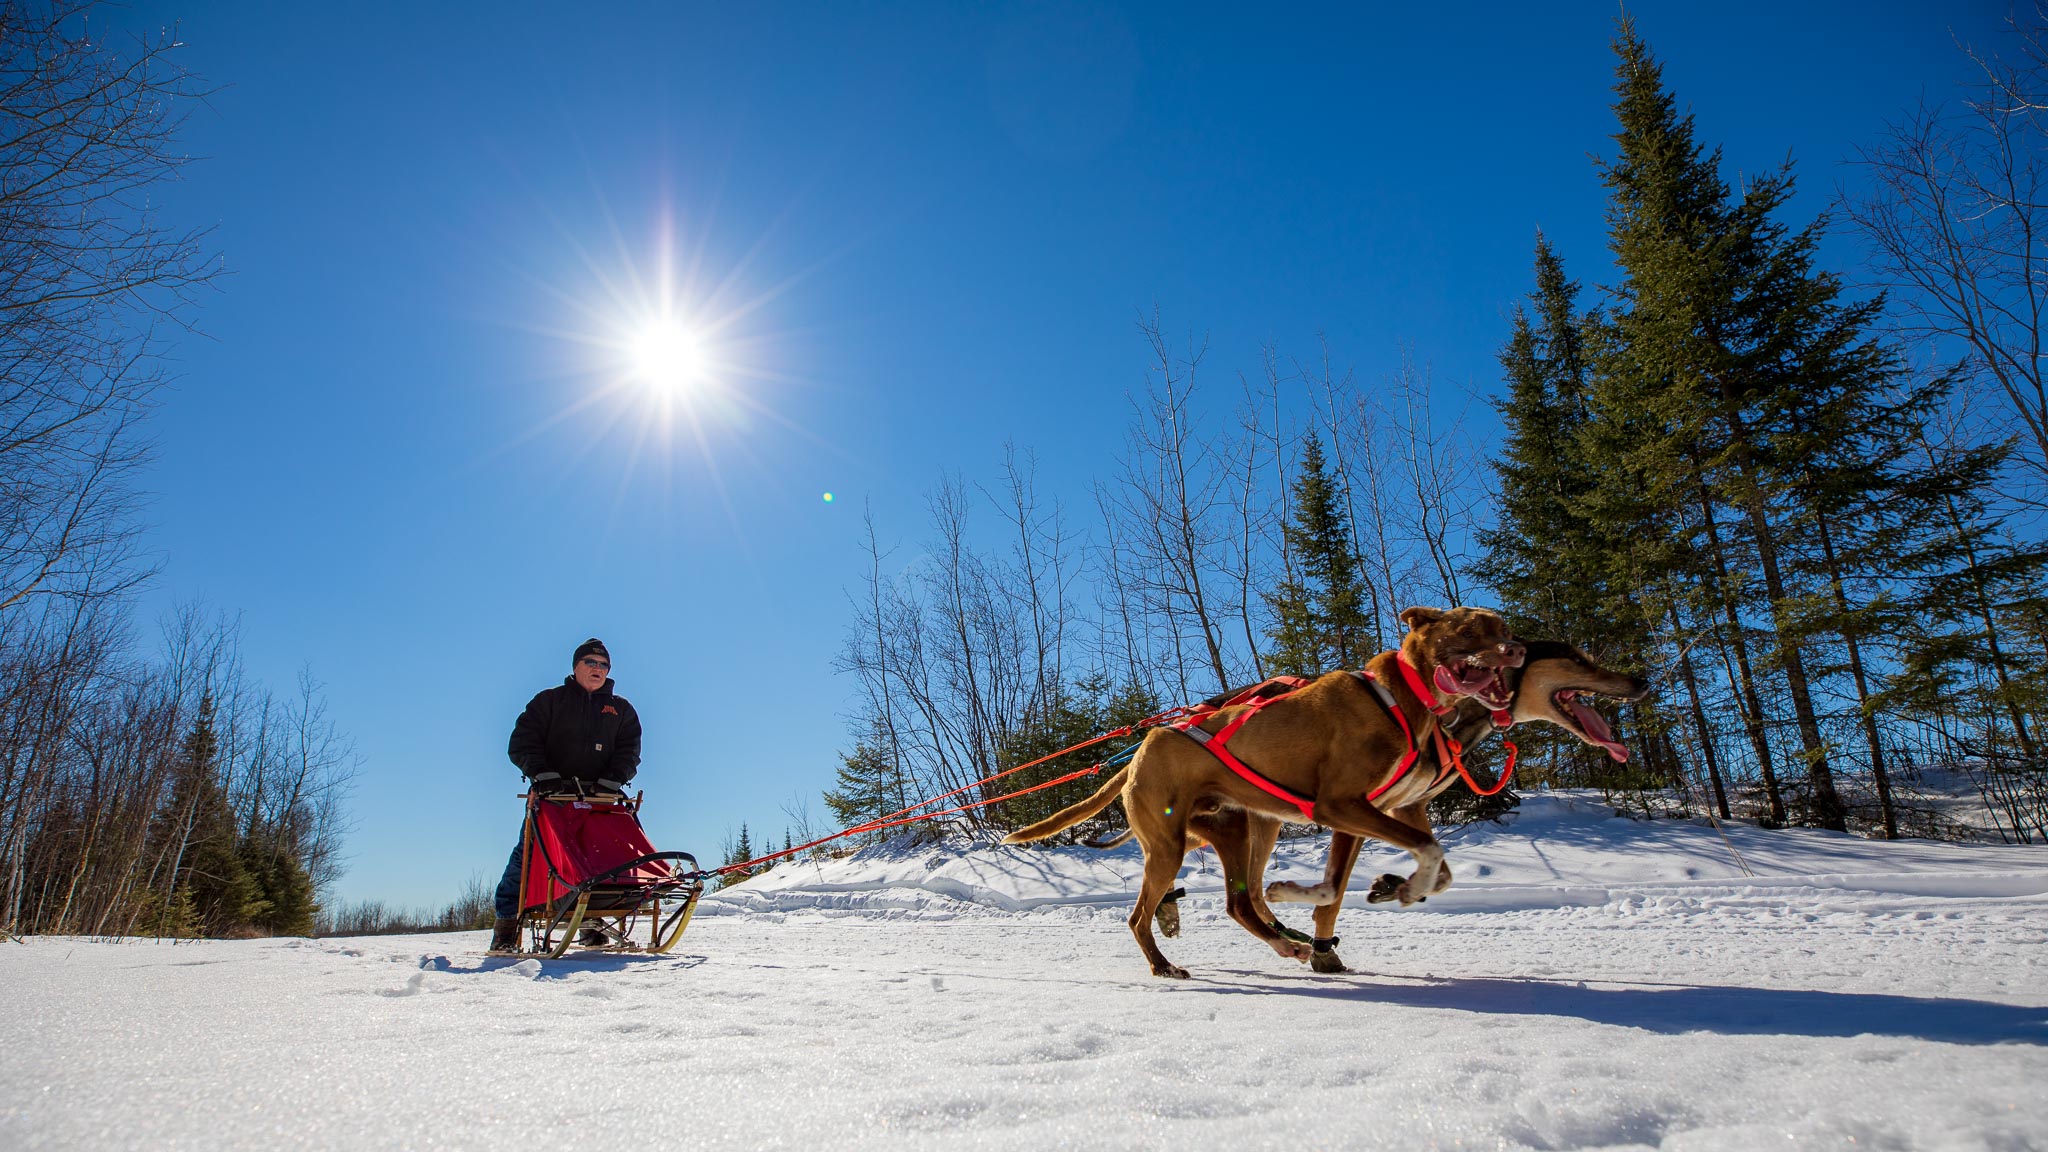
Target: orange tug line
891	821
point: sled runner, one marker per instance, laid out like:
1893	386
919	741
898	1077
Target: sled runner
588	865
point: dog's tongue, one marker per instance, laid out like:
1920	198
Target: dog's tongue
1450	684
1597	728
1447	683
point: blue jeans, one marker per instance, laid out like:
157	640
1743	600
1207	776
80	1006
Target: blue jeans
508	885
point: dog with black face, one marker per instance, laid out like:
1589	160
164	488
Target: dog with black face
1550	687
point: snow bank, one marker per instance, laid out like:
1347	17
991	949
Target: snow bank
1559	848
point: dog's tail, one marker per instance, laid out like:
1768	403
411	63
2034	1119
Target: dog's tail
1112	842
1073	814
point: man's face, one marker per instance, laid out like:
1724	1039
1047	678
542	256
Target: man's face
591	671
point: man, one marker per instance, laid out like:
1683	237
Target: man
577	733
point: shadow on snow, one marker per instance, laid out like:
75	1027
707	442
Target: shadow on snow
1677	1009
562	966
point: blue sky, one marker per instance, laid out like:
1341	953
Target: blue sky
919	230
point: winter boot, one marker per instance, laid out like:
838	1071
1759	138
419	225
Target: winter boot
505	935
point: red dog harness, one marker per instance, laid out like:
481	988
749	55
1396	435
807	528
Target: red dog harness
1450	753
1218	743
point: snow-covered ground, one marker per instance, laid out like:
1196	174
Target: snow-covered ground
1590	982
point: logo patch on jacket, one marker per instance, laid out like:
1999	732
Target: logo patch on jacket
609	711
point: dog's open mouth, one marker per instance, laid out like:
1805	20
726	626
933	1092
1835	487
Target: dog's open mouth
1470	677
1592	727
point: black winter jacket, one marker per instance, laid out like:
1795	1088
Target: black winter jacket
587	736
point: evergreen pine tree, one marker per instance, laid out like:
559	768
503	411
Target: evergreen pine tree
868	785
1970	593
1086	708
1563	560
1072	715
212	890
742	851
285	904
1545	559
1319	619
1727	350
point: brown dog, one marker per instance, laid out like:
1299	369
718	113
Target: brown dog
1331	742
1545	688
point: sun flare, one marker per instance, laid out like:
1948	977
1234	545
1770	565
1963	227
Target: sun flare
667	356
669	359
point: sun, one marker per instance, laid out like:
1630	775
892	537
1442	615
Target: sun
667	357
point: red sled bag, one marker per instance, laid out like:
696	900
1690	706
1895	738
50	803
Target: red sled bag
588	859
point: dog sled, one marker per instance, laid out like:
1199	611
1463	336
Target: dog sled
589	869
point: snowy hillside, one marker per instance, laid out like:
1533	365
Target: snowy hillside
1590	982
1558	849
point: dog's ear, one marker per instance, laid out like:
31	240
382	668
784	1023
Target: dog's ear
1416	618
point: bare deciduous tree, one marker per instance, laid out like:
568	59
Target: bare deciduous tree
1958	224
963	654
1169	500
89	275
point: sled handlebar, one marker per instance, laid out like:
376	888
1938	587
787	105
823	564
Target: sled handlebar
594	797
637	861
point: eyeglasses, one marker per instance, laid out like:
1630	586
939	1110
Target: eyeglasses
594	662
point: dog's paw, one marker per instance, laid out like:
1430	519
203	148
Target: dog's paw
1387	887
1171	972
1326	963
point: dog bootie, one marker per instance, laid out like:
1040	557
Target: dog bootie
593	938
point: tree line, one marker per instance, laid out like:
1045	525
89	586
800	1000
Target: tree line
1805	502
145	788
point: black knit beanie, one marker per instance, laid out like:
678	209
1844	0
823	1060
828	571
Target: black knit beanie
590	647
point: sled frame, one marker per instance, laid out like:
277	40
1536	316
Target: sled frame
550	930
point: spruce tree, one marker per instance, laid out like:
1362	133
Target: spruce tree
211	888
1971	595
1726	352
1073	714
1646	420
1545	559
1319	620
1563	561
867	785
742	851
285	892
